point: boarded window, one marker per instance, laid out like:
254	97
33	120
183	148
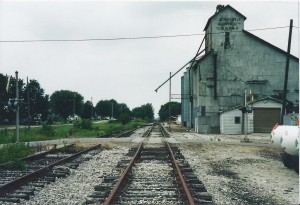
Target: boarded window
237	120
227	42
203	110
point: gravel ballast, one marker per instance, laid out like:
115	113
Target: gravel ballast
75	188
232	172
236	174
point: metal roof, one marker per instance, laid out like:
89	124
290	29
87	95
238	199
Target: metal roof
261	99
269	44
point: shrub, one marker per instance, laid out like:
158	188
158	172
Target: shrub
84	124
47	130
124	118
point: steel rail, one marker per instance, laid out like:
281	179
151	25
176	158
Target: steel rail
163	131
125	132
41	172
122	177
35	156
184	185
149	131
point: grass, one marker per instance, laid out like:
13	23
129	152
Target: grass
12	153
50	132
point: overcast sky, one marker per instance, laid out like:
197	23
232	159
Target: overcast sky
125	70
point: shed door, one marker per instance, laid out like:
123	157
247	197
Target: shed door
265	119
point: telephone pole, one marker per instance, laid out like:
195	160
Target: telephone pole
286	72
74	105
112	109
92	108
28	105
170	103
17	108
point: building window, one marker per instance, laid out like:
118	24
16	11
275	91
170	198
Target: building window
237	120
227	42
203	110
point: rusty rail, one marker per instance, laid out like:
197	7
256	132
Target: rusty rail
186	190
163	131
41	172
127	169
34	156
147	133
122	177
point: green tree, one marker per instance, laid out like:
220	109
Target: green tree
64	102
124	118
145	112
5	111
116	109
38	101
123	108
103	108
164	110
87	110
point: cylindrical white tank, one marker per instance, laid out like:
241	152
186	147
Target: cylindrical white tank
290	139
276	134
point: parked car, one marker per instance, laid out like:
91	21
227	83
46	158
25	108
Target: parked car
73	118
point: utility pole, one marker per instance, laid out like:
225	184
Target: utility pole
28	105
112	109
92	107
17	109
170	103
286	72
74	105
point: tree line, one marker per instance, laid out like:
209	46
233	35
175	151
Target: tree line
35	104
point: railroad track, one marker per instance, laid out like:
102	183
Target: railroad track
17	184
117	134
151	174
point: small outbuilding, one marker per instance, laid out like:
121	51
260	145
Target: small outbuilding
265	114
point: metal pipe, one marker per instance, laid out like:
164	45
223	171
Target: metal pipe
215	75
179	70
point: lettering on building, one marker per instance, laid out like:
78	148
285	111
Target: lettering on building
228	23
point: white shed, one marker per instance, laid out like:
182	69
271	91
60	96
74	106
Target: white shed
266	113
231	121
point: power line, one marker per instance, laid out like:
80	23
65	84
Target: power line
101	39
129	38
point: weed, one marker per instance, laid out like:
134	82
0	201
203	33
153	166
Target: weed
84	124
13	152
47	130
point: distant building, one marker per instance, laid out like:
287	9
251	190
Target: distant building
235	62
